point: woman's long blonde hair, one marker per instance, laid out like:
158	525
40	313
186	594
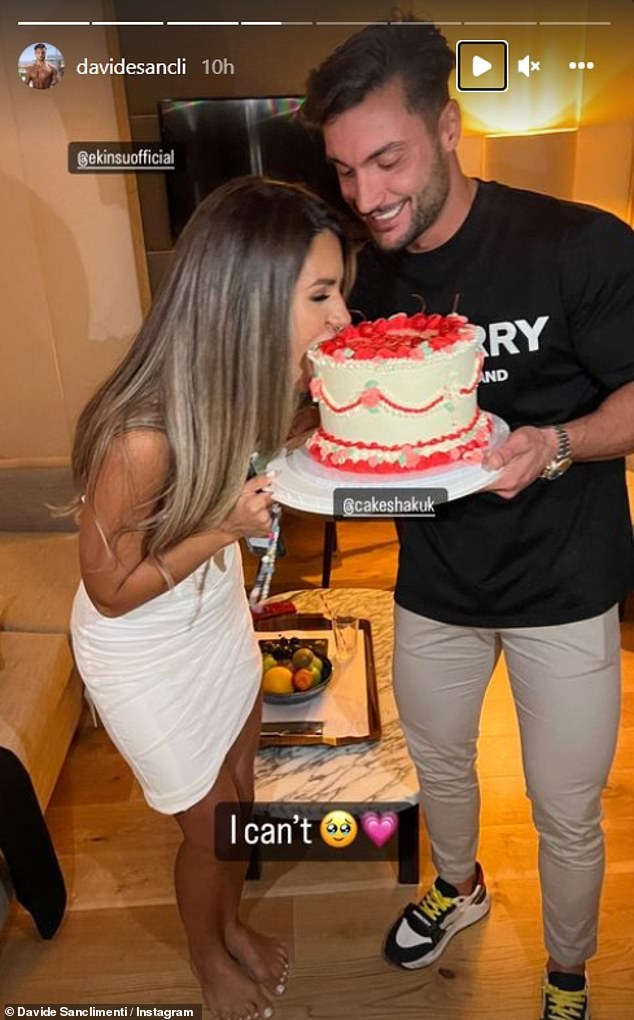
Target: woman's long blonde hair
211	365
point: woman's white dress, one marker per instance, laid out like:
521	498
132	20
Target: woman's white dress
174	680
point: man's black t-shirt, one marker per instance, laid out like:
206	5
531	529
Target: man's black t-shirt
551	284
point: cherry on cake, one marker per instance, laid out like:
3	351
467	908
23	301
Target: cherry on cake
399	394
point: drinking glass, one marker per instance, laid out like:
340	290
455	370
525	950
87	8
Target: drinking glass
345	630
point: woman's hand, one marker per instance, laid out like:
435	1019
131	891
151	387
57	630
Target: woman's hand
251	516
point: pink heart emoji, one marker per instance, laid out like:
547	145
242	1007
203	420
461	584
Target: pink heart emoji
379	828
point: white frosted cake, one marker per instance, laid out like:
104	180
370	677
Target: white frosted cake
399	394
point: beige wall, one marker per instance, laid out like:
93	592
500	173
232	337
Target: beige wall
69	286
592	164
604	166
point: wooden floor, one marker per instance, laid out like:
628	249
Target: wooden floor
122	942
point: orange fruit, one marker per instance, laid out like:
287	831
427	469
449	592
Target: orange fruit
278	680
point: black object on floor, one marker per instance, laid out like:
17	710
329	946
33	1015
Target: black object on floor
35	873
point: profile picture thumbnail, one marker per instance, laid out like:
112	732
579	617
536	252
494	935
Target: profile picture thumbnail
41	65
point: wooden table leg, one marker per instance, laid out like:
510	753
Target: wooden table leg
408	829
330	546
254	867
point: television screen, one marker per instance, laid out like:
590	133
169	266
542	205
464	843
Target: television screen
224	138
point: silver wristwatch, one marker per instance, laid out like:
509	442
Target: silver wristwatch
562	459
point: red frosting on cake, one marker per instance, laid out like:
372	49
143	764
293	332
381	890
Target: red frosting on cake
471	450
400	336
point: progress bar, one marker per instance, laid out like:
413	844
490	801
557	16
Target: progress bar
126	24
42	24
281	24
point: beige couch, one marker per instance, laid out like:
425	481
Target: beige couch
40	691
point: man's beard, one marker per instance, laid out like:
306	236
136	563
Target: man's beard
427	206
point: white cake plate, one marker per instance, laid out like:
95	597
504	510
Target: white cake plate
304	484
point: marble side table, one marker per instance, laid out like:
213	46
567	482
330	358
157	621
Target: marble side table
379	772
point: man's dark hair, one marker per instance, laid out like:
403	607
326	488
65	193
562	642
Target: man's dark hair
40	46
415	53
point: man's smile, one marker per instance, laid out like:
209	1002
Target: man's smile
381	218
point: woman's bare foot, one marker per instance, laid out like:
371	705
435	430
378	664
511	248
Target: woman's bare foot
264	959
227	991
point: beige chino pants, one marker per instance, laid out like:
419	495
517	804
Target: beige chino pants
566	686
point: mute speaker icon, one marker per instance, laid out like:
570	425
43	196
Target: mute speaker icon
524	66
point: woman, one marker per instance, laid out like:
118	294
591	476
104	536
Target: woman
161	628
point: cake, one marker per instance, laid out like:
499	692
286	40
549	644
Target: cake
399	394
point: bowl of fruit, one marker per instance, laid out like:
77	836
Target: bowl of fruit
294	670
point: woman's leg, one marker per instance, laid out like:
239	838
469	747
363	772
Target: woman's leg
208	891
264	959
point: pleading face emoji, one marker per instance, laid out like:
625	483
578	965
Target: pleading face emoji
338	829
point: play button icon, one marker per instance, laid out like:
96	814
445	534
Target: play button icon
482	65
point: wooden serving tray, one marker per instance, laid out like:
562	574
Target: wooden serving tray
314	621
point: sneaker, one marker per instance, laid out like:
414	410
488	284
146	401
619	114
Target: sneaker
566	997
424	929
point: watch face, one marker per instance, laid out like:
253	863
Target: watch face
556	469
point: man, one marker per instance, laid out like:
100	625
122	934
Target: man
41	74
537	565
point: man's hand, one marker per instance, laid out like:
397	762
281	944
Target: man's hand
522	457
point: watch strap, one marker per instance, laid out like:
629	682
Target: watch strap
564	450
